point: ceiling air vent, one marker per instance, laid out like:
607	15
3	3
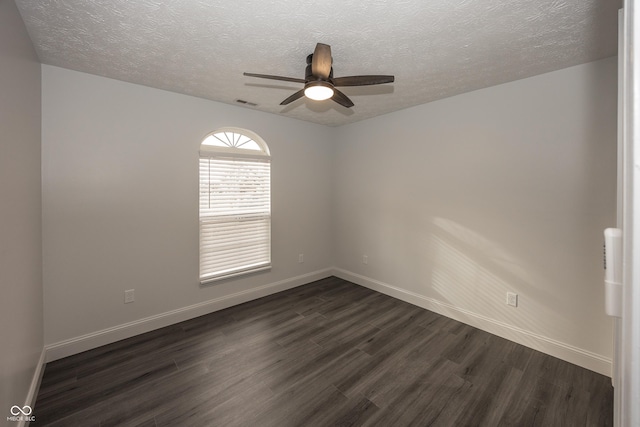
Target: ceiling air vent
242	101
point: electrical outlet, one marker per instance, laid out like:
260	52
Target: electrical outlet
365	259
129	296
300	258
512	299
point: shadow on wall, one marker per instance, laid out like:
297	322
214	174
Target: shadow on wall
472	273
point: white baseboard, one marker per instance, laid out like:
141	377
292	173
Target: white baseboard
106	336
32	394
567	352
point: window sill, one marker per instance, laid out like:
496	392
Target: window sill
235	274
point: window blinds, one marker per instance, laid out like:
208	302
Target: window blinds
235	216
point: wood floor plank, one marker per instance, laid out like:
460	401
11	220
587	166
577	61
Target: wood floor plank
144	403
221	404
297	404
483	405
389	340
497	404
329	353
355	413
90	391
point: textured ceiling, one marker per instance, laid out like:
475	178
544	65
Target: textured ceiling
435	48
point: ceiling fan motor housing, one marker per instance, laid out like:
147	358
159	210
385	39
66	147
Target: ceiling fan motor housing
308	73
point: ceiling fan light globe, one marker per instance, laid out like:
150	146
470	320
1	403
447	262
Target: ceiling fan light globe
318	92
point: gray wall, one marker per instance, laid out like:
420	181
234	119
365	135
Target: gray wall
20	211
120	200
508	188
456	202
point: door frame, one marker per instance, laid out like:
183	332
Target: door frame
627	392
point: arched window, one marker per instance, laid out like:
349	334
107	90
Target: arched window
235	204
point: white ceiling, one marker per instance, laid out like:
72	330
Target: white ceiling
435	48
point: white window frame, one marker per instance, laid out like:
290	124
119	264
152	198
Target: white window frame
219	261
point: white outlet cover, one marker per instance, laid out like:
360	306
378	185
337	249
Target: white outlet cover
129	296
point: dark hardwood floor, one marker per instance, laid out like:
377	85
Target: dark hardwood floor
329	353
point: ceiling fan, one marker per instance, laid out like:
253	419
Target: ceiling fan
319	83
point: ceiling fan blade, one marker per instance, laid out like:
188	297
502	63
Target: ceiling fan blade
321	62
299	94
362	80
268	76
341	99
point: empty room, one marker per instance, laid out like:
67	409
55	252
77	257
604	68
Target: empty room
282	213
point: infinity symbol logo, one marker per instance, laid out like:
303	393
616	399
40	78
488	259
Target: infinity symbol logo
26	410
